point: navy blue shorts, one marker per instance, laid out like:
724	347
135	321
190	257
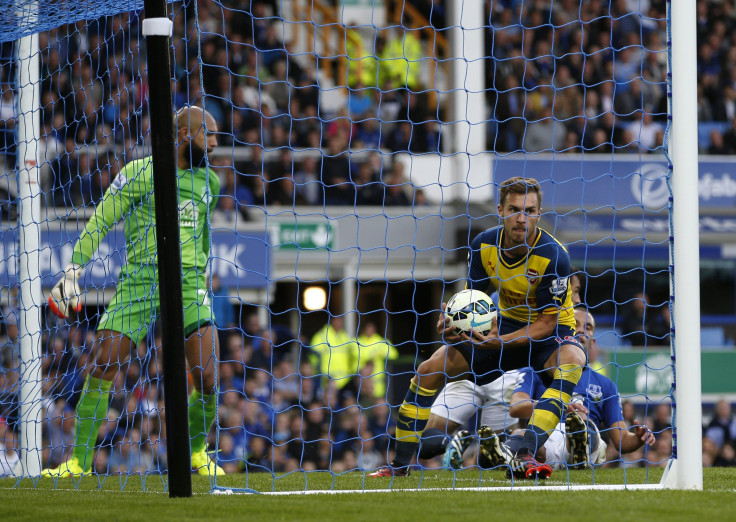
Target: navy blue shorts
488	365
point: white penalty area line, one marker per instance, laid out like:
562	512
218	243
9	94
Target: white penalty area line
601	487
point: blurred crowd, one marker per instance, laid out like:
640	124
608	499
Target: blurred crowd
562	77
286	402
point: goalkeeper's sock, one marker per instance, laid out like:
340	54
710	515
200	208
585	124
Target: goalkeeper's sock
91	411
202	411
434	442
549	409
412	418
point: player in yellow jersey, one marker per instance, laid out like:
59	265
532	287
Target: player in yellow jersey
128	315
530	270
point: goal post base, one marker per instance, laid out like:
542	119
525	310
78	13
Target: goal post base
674	477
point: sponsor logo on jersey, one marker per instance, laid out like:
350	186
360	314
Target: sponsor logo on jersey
533	276
558	287
594	392
188	214
119	182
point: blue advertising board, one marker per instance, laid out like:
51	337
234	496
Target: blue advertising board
595	182
642	224
240	259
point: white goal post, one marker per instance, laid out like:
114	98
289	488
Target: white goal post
685	471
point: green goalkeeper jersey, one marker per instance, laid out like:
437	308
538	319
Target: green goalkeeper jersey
130	197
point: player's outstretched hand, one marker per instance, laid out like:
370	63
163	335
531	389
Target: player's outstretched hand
65	294
643	433
491	340
445	328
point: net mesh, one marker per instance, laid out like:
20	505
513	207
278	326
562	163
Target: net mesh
339	182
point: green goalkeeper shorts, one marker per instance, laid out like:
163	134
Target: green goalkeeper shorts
135	305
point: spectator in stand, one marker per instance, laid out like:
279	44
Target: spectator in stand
360	103
376	350
400	138
362	59
368	187
266	353
286	381
629	412
726	457
401	58
307	181
662	418
229	457
544	132
279	88
335	352
235	194
722	427
717	144
368	134
397	187
645	130
272	49
710	452
729	138
339	188
640	322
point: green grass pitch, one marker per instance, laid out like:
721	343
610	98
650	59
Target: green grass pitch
133	498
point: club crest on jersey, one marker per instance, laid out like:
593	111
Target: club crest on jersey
533	276
558	287
594	391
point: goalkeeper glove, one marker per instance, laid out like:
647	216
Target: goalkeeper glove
65	294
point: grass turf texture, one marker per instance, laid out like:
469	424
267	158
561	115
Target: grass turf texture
124	498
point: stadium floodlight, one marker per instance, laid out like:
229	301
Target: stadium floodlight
314	298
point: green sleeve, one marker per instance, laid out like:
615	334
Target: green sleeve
206	237
214	189
114	206
208	225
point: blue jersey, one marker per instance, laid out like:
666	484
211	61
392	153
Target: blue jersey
597	392
529	383
534	283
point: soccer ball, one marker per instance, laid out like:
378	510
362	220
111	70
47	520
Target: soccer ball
471	309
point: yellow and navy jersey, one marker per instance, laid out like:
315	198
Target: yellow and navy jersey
534	283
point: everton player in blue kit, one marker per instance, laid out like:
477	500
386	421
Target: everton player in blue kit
596	406
530	269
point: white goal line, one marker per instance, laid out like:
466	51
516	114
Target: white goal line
599	487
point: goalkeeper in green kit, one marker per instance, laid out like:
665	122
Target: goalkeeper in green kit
135	304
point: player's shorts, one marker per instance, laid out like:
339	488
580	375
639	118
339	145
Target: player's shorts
488	365
558	454
135	305
459	401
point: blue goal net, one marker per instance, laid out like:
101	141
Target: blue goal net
361	147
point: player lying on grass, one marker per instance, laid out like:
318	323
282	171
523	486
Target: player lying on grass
455	405
530	269
596	406
134	306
